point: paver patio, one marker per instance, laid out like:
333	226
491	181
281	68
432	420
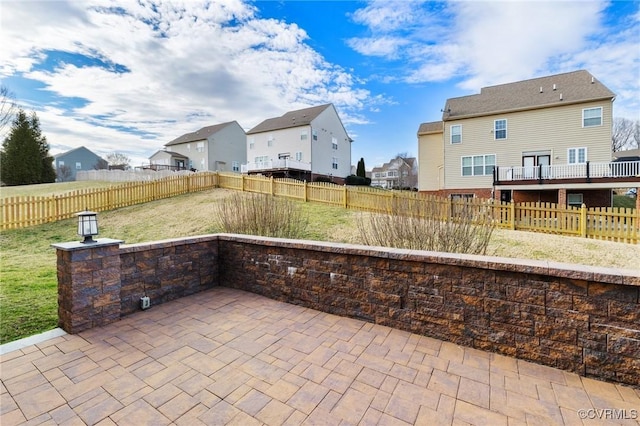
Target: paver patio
229	357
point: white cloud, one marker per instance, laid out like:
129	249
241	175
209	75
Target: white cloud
190	64
480	43
382	15
378	46
508	41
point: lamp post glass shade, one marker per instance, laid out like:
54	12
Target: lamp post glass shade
88	225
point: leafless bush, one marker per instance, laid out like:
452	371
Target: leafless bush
456	227
260	214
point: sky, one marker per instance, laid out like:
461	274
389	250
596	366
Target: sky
129	76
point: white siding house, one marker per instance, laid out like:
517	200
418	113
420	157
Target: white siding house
303	144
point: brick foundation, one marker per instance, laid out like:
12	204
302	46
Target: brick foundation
580	319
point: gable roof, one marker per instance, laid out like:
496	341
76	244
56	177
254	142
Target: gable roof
83	148
171	154
301	117
430	128
199	135
544	92
409	161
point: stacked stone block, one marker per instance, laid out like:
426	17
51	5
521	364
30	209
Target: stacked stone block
586	322
581	319
88	284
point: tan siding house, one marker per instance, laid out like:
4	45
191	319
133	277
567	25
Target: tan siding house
546	139
431	156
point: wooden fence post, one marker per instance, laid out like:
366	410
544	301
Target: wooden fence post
271	183
242	178
583	221
306	195
345	194
512	214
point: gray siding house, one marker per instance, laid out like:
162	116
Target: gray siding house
221	147
69	163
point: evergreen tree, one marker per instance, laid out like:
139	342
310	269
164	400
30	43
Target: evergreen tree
48	172
24	158
360	170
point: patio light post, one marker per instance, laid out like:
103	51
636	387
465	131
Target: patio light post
87	226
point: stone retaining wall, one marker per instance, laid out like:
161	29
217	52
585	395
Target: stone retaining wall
167	270
577	318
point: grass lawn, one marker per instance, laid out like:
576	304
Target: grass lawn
48	189
28	282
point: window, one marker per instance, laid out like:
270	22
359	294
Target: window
202	164
489	164
200	147
576	155
262	159
574	200
270	140
478	165
60	163
500	129
456	133
304	134
315	134
334	163
235	166
299	156
189	147
592	117
78	165
252	142
334	143
462	196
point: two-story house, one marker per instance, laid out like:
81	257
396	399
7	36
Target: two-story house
221	147
305	144
399	173
67	164
546	139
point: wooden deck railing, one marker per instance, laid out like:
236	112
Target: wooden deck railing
617	224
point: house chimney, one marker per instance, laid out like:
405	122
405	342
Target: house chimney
593	80
540	89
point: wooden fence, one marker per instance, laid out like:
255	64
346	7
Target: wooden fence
617	224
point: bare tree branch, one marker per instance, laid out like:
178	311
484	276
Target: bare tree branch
622	134
7	107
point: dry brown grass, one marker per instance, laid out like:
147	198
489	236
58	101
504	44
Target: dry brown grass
261	214
418	226
194	214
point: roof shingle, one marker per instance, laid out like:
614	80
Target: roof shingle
543	92
430	127
301	117
199	135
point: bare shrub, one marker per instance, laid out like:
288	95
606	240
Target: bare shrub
261	214
455	227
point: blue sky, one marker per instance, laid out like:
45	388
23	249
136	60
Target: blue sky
129	76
